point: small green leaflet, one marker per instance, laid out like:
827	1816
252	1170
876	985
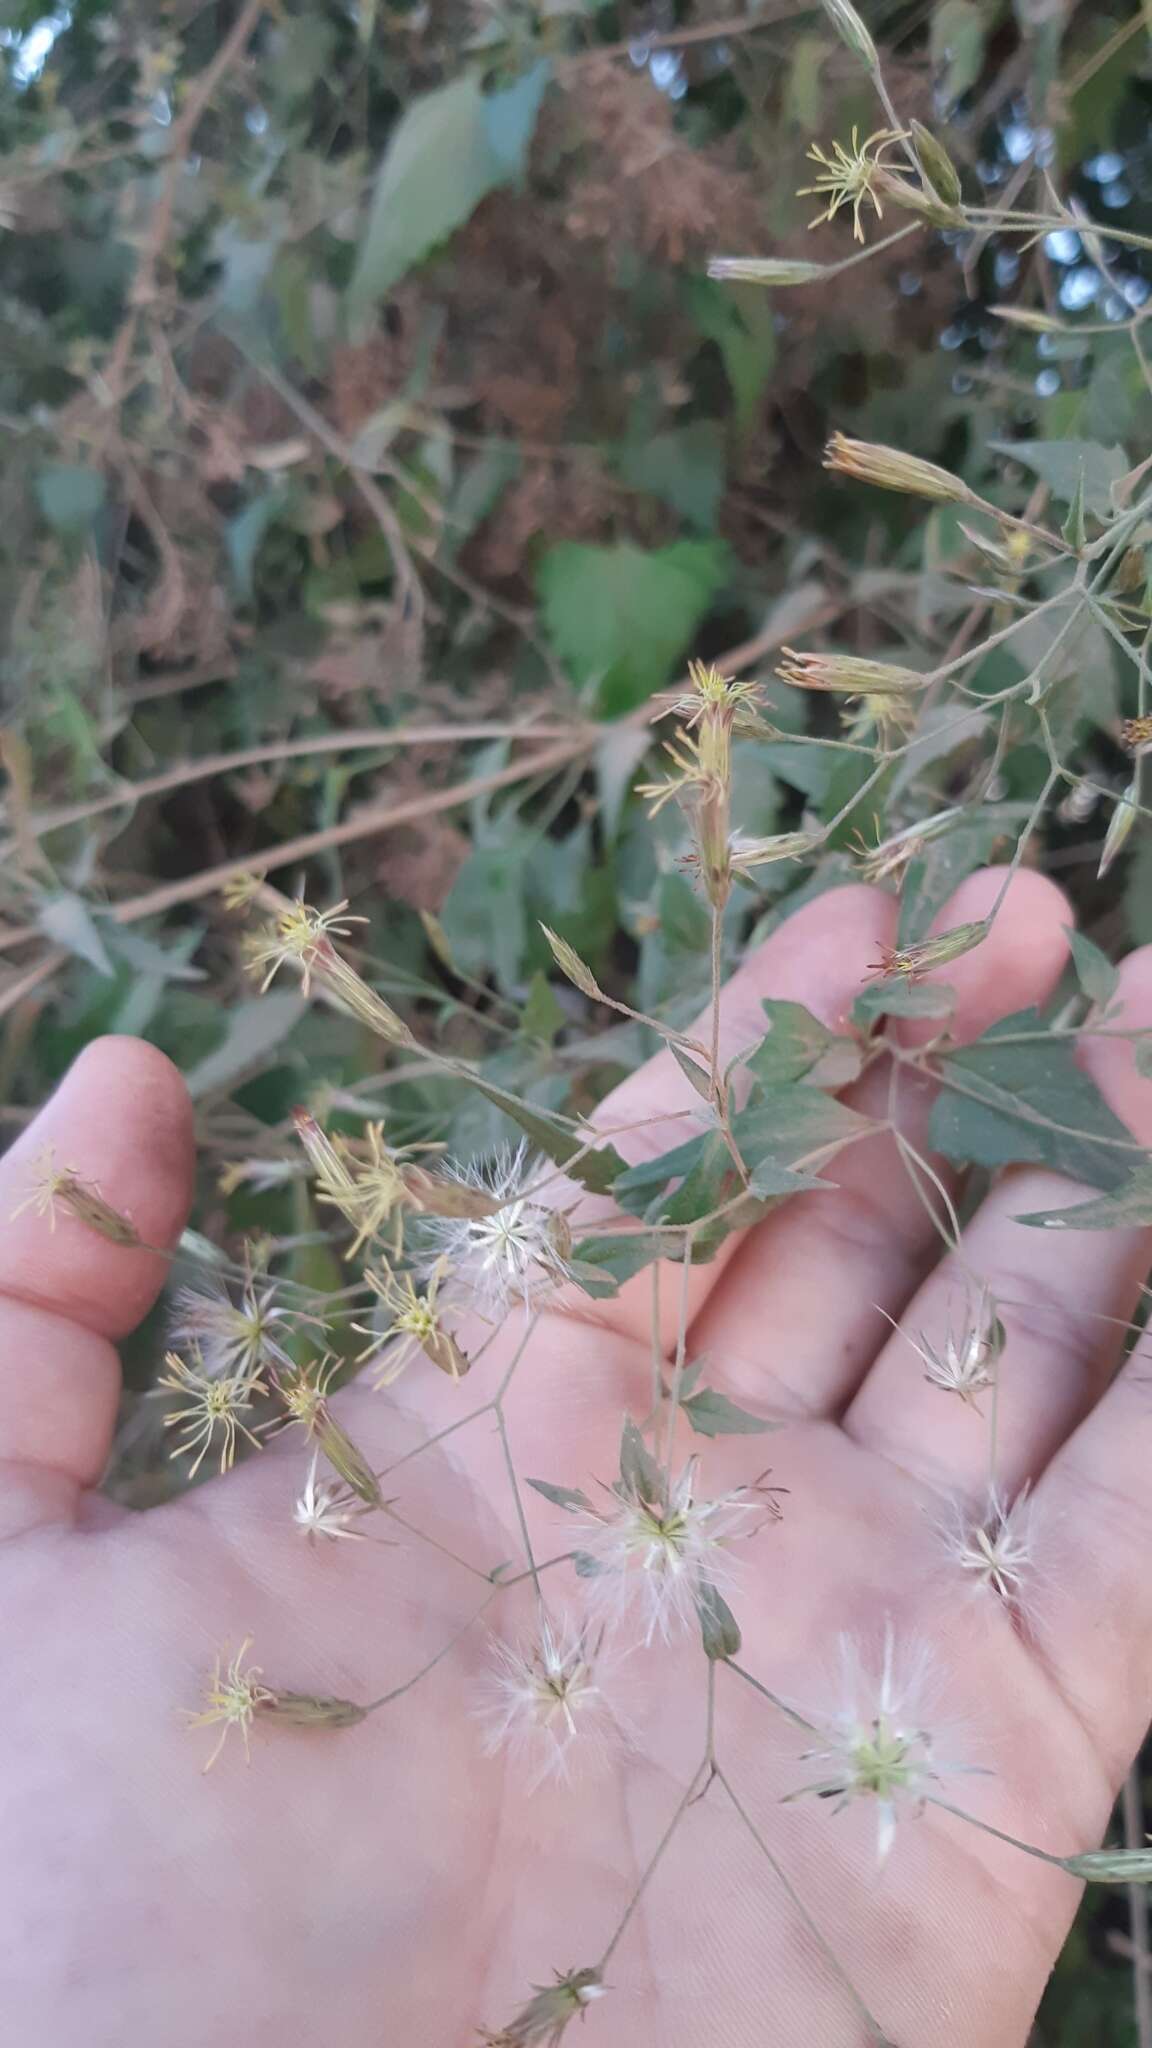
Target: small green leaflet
794	1043
899	998
1069	467
713	1414
1094	970
450	148
640	1475
569	1498
1130	1207
595	1171
1001	1102
719	1629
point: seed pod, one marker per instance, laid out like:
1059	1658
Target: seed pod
936	165
1110	1866
569	962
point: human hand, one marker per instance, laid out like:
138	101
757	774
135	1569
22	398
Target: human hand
391	1883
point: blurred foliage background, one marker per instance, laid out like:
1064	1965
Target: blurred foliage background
376	445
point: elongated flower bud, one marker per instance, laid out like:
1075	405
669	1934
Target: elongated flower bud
768	270
310	1710
849	674
910	962
892	470
936	165
1123	818
918	199
852	31
1033	323
1110	1866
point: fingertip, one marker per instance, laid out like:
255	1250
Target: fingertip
1112	1062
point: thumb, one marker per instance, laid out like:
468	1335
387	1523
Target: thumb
120	1122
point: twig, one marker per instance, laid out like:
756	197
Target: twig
144	284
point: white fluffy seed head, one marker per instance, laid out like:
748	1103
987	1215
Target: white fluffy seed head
883	1743
544	1702
513	1256
647	1559
995	1548
327	1509
230	1337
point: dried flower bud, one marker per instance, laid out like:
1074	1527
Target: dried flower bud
1136	733
311	1710
344	1457
852	31
769	270
872	463
55	1187
1033	323
911	962
1123	818
746	854
848	673
1110	1866
569	962
547	2014
918	199
240	891
936	165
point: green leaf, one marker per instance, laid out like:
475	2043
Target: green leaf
785	1124
684	467
1094	970
900	998
1001	1103
68	922
639	1473
1130	1206
956	46
449	149
69	495
569	1498
596	1171
254	1029
719	1629
1066	465
612	1260
542	1016
620	618
739	319
793	1044
713	1414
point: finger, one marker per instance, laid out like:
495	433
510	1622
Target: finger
819	957
122	1122
1095	1499
800	1315
1062	1297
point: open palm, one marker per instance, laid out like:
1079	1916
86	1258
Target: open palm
393	1886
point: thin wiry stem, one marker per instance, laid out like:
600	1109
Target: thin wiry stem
1132	1810
863	2012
